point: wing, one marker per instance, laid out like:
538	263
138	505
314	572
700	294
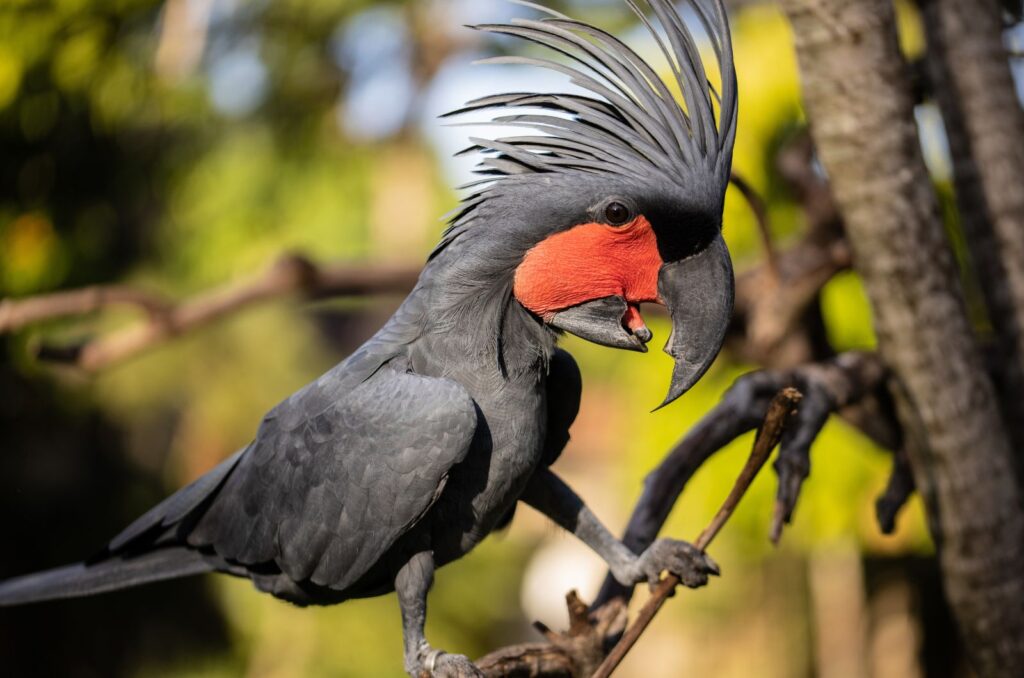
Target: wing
338	473
564	387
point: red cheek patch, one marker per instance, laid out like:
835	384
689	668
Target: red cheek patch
588	262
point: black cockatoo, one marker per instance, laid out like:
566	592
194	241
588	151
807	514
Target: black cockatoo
406	455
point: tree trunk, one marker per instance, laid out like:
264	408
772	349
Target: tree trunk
856	91
974	89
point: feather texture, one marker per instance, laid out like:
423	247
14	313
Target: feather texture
628	123
629	116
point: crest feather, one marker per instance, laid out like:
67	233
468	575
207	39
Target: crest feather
628	122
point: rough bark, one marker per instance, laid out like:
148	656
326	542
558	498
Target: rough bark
857	95
972	84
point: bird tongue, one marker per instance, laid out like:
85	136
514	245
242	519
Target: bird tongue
635	322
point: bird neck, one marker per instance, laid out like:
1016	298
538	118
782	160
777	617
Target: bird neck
477	320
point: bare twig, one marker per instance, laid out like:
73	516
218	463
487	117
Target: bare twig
781	408
18	313
777	322
742	408
761	215
846	382
797	165
291	274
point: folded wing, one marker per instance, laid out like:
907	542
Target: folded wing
337	474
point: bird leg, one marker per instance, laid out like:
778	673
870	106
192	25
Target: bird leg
551	496
412	584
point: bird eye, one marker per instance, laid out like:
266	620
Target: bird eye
616	213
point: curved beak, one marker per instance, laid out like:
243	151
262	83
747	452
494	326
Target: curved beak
698	292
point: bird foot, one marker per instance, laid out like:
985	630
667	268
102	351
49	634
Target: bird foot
440	664
681	558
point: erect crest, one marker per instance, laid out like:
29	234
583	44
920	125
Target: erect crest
628	123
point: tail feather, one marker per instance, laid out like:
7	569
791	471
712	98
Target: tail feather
80	579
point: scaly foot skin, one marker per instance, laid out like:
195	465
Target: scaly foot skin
440	664
681	558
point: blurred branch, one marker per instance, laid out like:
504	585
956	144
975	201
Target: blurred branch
18	313
772	299
761	214
797	165
183	33
898	490
833	385
291	274
777	322
770	307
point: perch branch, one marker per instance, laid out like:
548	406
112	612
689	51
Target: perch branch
844	382
781	408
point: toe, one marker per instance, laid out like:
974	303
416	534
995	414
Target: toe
692	578
456	666
711	567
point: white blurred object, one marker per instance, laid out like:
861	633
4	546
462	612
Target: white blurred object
559	566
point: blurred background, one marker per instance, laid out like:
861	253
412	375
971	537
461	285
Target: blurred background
179	145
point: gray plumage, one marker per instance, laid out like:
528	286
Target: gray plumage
635	126
407	454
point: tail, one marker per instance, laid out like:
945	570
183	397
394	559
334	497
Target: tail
144	552
117	572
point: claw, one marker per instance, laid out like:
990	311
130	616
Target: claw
440	664
682	559
444	665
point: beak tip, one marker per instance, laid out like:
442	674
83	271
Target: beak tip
675	391
699	292
684	377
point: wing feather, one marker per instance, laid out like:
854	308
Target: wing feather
335	477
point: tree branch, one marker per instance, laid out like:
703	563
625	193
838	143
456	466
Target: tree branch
868	143
291	274
837	384
760	211
16	314
974	88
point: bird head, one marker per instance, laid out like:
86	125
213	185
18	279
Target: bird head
618	200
